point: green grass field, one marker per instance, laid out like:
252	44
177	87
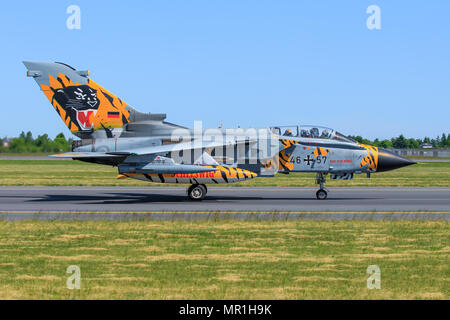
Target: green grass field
76	173
224	259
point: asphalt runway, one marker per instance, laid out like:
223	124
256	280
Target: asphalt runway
237	202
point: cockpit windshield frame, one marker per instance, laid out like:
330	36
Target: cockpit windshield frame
311	132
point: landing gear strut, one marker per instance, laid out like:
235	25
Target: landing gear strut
197	192
322	193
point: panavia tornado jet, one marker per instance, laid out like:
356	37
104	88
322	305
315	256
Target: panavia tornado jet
146	147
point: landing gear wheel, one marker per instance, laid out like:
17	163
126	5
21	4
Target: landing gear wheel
197	192
321	194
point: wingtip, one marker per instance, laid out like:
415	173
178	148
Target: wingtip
67	154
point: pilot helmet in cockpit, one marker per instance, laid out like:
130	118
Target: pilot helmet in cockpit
325	134
314	132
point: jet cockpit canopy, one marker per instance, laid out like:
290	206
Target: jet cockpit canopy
310	131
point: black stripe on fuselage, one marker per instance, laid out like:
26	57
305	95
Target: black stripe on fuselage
331	145
224	176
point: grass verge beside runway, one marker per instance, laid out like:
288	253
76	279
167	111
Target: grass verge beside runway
76	173
224	259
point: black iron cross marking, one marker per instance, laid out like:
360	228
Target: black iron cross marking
308	160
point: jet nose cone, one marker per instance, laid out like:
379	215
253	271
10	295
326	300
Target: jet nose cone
387	160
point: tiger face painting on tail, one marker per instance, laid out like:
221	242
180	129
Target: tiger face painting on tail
85	107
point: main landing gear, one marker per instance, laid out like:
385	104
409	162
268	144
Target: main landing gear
322	193
197	192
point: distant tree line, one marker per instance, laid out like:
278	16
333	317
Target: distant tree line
25	143
401	142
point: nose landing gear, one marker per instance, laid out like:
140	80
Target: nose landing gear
322	193
197	192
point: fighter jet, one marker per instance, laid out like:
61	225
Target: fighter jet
146	147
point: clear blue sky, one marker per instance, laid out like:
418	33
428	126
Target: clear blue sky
248	63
